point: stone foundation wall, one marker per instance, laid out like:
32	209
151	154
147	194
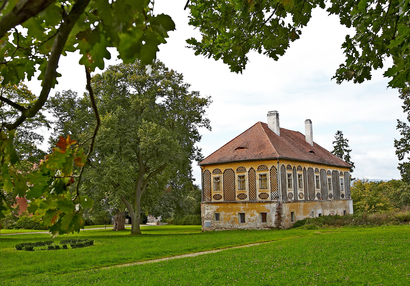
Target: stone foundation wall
225	216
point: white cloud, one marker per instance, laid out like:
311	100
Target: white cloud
299	86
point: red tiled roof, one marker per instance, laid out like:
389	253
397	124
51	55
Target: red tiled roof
260	143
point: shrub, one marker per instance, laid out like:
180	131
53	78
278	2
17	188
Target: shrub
403	216
188	220
26	222
9	221
102	217
88	221
19	246
50	247
65	246
29	248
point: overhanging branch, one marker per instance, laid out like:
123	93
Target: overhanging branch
56	50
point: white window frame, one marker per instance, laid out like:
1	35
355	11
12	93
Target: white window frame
220	183
244	182
317	181
289	179
260	181
300	186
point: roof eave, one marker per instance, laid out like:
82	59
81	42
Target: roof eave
275	158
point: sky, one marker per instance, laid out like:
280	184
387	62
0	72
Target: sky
298	86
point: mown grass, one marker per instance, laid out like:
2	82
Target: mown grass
370	256
344	257
112	248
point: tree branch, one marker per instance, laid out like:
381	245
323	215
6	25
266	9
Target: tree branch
127	204
12	104
153	173
97	126
51	69
24	10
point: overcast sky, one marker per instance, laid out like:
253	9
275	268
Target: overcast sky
298	86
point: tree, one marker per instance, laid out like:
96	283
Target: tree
341	149
27	138
33	36
230	29
402	145
370	197
148	133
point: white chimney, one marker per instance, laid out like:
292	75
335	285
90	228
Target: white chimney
309	131
273	121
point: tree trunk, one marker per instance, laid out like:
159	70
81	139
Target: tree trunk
119	221
135	226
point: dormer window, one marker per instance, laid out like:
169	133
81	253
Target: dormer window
240	148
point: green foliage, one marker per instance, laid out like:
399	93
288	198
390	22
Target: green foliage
33	36
231	29
26	139
27	222
101	217
402	145
370	197
46	184
341	149
149	126
380	196
9	221
364	219
187	220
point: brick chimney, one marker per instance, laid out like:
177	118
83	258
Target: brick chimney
309	131
273	121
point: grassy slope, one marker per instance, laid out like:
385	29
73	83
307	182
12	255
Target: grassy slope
344	256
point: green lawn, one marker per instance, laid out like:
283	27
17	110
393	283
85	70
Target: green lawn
347	256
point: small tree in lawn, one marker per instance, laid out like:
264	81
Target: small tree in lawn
341	149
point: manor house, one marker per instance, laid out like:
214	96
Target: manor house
271	177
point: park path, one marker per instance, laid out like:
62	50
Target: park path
186	255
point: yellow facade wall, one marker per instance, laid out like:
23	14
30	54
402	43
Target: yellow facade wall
229	211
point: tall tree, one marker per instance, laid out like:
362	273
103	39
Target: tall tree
341	149
402	145
148	133
231	29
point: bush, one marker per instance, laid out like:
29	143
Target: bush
50	247
26	222
89	221
29	248
403	216
188	220
101	217
8	222
77	243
